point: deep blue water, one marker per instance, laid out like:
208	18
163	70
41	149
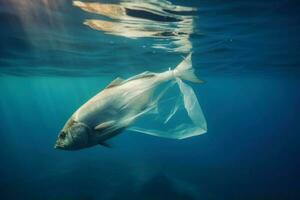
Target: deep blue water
248	54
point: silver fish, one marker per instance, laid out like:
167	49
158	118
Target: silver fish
116	107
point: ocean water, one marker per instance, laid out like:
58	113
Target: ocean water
247	52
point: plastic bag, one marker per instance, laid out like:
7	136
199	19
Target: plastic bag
174	113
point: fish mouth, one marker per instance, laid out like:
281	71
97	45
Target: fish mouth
58	146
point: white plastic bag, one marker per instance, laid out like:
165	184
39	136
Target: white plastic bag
175	113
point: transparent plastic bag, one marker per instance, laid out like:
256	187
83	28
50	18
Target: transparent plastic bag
174	112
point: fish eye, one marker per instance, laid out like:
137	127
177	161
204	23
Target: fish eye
62	135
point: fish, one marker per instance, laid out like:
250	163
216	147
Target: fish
117	107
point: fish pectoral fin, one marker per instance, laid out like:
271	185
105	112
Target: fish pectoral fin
117	81
104	125
104	144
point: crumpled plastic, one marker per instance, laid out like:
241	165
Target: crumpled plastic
173	112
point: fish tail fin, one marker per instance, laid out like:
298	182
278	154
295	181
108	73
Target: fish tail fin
185	70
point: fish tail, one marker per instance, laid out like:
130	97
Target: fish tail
185	70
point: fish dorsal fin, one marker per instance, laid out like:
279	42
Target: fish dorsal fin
104	125
145	74
117	81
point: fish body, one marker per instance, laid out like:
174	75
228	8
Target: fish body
116	107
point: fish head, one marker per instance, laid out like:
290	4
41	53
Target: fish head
73	136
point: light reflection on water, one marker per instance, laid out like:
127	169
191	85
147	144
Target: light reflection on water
121	38
172	24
